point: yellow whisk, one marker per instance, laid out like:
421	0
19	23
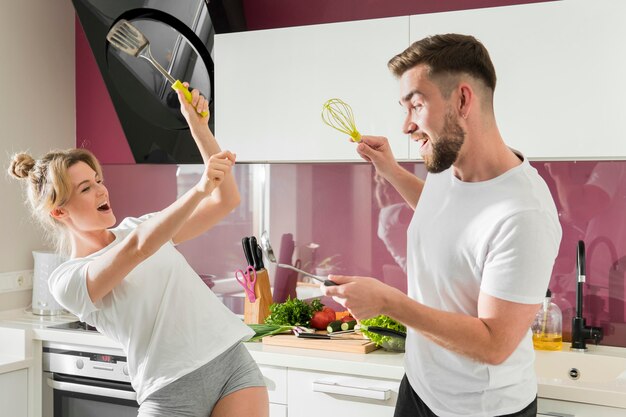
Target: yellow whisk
338	115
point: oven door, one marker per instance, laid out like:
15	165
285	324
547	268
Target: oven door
87	397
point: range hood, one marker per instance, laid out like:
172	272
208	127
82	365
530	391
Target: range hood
181	39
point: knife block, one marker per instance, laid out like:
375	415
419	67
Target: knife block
255	313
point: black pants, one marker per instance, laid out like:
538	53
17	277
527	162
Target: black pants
411	405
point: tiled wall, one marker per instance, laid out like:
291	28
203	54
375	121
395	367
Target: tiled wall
342	212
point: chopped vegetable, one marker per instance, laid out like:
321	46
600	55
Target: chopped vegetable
347	318
348	325
382	321
262	330
293	312
341	314
334	326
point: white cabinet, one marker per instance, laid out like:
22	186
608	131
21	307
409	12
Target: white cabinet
271	84
14	393
276	382
314	394
560	73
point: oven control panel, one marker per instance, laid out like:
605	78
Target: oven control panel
85	361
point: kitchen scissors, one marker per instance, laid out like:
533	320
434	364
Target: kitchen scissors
247	279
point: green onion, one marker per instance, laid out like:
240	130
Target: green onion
262	330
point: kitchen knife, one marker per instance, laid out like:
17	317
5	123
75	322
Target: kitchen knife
259	256
252	251
383	331
324	336
258	261
245	242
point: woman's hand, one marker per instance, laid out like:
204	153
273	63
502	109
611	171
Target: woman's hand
219	165
192	111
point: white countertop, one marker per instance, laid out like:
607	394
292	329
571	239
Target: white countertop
602	382
379	363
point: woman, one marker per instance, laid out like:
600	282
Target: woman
185	355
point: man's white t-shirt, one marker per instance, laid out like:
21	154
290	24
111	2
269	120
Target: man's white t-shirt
168	321
500	237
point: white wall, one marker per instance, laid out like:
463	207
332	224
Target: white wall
37	113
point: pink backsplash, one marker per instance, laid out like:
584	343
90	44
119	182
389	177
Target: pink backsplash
341	211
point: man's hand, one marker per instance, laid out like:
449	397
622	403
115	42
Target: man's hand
376	149
364	297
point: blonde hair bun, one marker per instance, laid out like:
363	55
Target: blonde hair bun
21	165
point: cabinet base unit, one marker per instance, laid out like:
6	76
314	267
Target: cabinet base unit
340	394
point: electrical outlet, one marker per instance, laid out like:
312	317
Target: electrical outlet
16	281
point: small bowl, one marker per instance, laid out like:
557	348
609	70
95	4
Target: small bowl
393	344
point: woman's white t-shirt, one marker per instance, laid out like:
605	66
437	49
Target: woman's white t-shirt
500	237
168	321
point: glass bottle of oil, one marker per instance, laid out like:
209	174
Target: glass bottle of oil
547	328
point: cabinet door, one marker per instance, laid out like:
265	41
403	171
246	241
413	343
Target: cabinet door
276	381
14	393
271	85
314	394
560	73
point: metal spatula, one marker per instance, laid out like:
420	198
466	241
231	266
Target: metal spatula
269	252
128	39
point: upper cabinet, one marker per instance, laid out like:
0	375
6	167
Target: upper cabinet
561	74
271	85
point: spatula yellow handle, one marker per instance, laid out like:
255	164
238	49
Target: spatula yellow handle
178	86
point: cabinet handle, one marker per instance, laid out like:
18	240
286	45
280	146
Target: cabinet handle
330	387
91	390
554	414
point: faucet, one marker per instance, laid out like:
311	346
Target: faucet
580	331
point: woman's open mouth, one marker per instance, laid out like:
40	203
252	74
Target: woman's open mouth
104	206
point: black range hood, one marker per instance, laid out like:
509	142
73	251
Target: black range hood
181	37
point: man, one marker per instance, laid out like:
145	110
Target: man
481	244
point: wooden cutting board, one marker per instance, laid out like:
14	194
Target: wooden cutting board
356	344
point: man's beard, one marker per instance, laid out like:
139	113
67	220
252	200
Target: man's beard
446	148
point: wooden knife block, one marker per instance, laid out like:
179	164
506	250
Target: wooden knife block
255	313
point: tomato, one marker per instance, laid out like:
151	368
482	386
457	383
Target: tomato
347	318
321	319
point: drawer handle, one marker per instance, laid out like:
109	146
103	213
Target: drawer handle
554	414
374	393
91	390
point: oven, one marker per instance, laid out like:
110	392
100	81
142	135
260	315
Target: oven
83	381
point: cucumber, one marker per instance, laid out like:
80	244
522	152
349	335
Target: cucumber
334	326
348	325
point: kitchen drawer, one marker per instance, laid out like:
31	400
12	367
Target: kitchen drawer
276	381
340	394
558	408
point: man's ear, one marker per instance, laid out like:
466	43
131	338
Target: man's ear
58	213
466	95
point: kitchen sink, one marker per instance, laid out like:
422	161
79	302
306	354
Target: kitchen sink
595	377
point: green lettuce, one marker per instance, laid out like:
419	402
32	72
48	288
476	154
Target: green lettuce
382	321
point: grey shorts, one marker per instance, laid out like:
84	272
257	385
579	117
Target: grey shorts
195	394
